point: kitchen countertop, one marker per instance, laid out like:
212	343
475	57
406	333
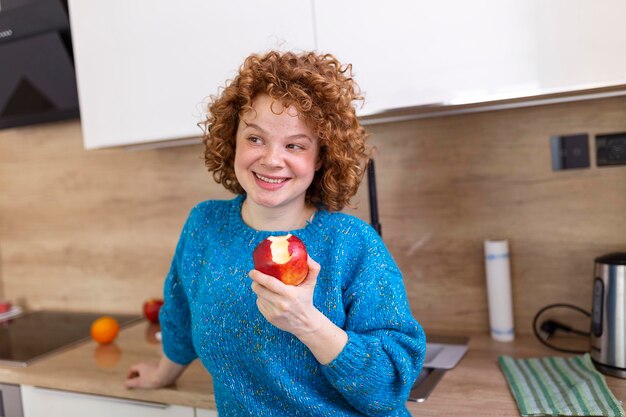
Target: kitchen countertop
475	386
94	369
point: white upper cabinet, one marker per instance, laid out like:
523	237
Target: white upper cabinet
580	44
146	68
409	53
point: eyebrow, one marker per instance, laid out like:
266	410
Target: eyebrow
260	129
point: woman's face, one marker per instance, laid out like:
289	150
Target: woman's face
276	154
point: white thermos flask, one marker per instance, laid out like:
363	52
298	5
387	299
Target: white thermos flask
499	290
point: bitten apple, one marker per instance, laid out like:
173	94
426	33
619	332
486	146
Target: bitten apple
283	257
151	309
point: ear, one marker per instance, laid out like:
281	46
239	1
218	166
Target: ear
318	164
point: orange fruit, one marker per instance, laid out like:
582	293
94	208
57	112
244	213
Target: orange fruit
104	329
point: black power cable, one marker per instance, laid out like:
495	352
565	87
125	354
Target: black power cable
551	326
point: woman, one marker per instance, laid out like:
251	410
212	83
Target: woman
284	137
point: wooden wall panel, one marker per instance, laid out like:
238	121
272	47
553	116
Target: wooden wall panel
95	230
91	230
448	183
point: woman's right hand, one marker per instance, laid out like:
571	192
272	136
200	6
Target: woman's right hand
143	375
151	375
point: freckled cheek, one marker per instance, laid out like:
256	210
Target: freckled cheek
305	169
243	159
241	166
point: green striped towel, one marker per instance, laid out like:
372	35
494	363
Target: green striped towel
555	386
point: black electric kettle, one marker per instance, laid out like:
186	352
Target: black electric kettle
608	315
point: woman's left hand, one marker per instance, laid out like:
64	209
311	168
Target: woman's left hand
287	307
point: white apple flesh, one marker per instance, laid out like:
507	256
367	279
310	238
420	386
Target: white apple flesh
283	257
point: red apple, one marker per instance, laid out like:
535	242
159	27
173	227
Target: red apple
5	306
151	309
283	257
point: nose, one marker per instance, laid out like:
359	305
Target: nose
271	157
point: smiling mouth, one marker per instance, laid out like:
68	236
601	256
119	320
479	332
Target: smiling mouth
270	180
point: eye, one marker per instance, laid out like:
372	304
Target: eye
254	139
295	146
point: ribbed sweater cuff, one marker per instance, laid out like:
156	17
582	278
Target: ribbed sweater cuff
350	360
179	357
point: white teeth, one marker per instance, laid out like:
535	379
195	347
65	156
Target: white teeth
270	180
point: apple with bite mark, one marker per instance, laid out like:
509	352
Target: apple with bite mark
151	309
283	257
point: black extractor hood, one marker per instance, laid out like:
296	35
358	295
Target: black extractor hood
37	78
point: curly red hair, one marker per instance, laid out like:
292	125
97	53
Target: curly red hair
322	90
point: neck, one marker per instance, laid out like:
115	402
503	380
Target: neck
275	218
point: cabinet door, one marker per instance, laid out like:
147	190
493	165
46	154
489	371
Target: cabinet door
43	402
146	68
409	53
581	45
203	412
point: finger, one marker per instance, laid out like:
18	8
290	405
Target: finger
262	306
270	308
313	266
268	282
132	383
267	296
133	370
314	270
260	290
132	374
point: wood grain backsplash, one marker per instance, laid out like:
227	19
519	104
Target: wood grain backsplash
95	230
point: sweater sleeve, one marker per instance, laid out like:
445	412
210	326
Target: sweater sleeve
175	315
386	345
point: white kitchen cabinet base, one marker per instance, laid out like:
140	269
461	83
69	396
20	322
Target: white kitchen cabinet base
203	412
44	402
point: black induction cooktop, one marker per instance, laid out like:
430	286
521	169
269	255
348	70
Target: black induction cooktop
36	334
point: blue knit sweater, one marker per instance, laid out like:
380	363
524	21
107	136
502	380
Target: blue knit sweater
210	313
